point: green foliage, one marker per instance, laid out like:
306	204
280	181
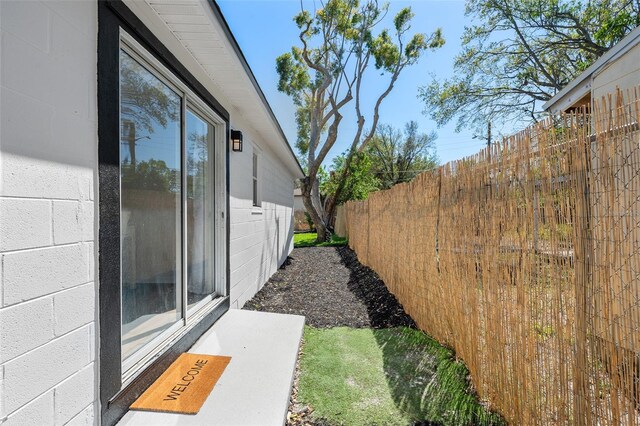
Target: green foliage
543	331
399	156
307	217
323	177
293	75
337	42
393	376
418	42
150	175
402	20
302	124
145	100
385	51
327	70
360	181
615	18
518	54
560	232
309	239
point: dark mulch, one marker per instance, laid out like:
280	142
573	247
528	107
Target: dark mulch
330	288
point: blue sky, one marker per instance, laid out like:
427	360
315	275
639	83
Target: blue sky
264	29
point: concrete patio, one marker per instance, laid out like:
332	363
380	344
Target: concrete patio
255	387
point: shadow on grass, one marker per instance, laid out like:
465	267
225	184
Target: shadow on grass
424	378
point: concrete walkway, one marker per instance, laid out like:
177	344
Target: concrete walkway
255	387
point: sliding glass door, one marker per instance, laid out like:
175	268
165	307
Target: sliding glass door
150	202
167	207
200	220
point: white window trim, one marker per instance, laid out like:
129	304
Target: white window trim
144	356
257	209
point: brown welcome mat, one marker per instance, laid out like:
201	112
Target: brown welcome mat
185	385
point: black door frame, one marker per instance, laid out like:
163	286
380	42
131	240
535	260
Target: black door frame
114	399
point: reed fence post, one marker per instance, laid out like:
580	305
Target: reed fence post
583	253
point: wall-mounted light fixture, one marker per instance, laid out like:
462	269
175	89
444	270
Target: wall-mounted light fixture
236	140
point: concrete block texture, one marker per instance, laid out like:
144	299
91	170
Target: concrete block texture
73	308
37	412
33	273
261	238
37	178
67	58
25	327
67	222
85	418
24	223
74	394
30	375
48	144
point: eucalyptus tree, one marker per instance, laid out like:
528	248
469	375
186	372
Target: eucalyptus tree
517	54
327	70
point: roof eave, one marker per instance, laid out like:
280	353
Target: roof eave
583	81
568	98
236	47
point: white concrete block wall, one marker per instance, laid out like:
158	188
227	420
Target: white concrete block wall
48	158
48	171
261	239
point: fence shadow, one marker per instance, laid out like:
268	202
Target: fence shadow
424	378
383	308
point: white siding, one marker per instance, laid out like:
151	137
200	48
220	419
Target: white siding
47	167
622	73
261	238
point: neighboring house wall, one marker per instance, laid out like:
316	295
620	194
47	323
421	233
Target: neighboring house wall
48	147
261	237
298	204
618	68
623	73
340	227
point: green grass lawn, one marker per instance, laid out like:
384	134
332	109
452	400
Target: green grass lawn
308	239
391	376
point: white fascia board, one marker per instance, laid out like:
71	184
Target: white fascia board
250	85
571	97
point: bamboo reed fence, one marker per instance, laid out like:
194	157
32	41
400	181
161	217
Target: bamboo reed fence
524	259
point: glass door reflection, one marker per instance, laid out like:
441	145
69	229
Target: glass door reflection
150	215
200	209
